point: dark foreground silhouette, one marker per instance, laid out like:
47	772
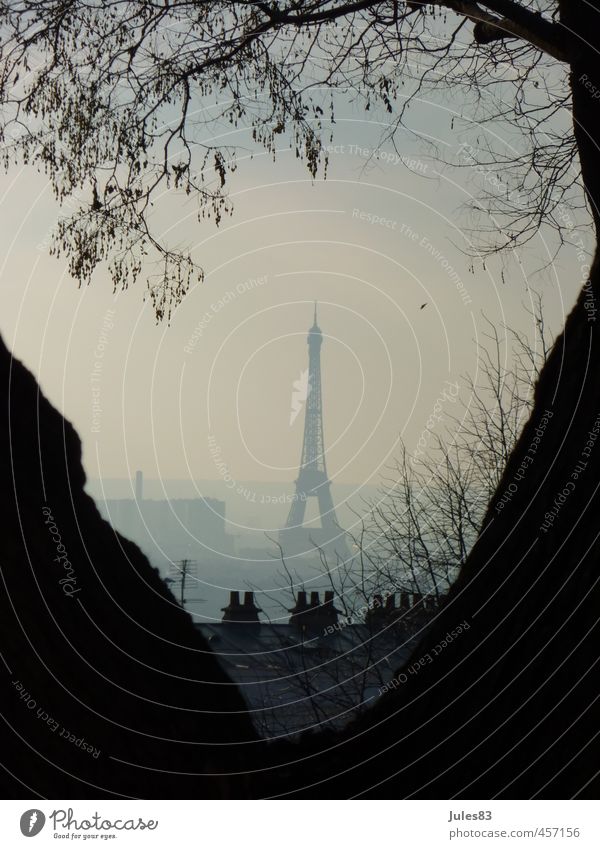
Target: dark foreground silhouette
109	690
92	636
510	708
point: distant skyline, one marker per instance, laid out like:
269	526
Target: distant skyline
380	237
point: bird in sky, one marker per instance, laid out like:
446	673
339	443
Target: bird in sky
422	307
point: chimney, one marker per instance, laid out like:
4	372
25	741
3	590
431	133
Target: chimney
378	615
139	486
241	614
299	610
328	614
315	616
404	601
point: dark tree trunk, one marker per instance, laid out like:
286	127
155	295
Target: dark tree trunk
581	19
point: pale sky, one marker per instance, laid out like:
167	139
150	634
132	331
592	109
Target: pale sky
158	397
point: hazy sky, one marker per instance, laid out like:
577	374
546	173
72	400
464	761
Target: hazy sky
149	397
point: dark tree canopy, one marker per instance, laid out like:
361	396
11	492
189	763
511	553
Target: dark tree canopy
121	101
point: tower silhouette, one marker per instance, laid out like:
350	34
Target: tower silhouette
313	481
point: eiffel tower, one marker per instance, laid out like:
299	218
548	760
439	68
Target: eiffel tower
313	481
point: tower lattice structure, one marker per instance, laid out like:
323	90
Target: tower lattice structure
313	481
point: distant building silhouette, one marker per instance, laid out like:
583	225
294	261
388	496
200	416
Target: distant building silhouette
313	481
170	530
139	486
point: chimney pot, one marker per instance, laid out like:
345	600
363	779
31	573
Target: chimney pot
241	614
328	597
314	599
